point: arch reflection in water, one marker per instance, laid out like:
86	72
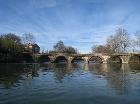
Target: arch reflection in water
10	74
60	59
64	81
114	59
44	59
116	75
77	60
96	59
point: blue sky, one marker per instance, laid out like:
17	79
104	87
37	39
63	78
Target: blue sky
79	23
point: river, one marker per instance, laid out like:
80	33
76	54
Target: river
76	83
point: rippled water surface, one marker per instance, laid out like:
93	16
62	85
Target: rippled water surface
69	84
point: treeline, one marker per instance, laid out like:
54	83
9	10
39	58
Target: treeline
120	42
13	43
12	47
60	47
10	43
16	48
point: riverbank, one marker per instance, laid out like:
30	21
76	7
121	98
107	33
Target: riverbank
16	58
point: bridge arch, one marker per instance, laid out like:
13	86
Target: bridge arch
115	59
44	58
96	59
60	59
77	59
134	59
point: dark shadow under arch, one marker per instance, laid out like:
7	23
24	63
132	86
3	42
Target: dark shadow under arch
114	59
77	60
95	59
60	59
25	57
44	58
134	59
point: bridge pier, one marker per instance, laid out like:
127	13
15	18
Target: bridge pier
70	60
125	59
105	59
35	57
86	59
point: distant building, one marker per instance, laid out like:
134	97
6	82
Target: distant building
32	48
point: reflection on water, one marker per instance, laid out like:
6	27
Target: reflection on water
11	74
76	83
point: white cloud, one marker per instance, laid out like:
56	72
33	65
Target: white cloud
78	25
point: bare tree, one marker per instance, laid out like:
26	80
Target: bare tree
119	42
101	49
59	47
113	44
133	45
122	37
28	38
138	38
70	50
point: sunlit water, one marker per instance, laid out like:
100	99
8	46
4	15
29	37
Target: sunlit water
69	84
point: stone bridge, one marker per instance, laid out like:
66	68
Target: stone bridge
87	58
